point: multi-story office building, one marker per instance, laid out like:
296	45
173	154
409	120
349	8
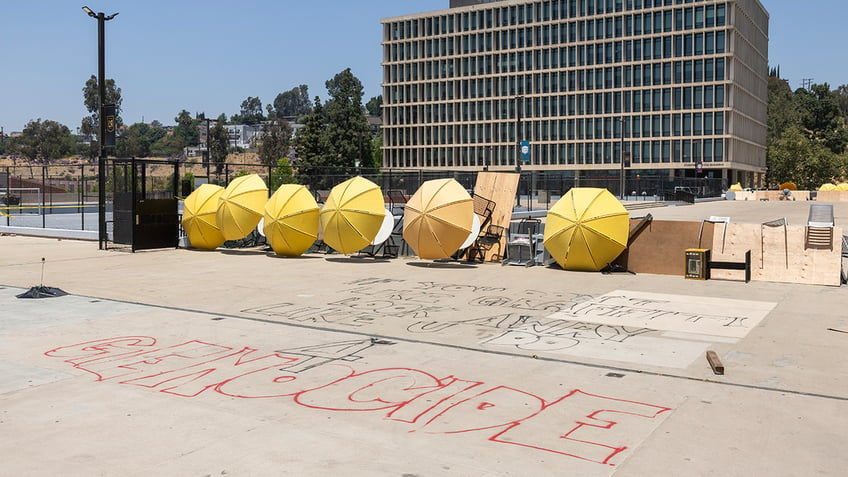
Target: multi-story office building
671	86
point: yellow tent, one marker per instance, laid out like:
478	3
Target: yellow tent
241	206
200	217
438	218
291	220
352	215
586	229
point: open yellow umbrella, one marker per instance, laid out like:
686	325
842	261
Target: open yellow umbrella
241	206
736	187
200	217
437	218
352	215
291	220
843	186
586	229
827	186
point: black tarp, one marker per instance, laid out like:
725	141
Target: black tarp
42	292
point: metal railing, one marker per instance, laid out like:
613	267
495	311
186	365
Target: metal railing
65	196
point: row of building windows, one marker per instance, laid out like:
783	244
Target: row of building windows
644	100
676	19
554	35
593	153
656	74
641	126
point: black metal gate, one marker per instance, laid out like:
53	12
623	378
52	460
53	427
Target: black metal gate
145	212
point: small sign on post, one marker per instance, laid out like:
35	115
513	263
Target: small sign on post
525	151
109	114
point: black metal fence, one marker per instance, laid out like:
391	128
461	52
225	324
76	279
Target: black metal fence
65	196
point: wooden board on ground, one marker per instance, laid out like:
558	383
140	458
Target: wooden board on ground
501	188
661	247
810	266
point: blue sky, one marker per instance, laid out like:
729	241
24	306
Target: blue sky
210	56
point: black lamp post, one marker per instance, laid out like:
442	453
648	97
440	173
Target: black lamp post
621	183
101	98
519	102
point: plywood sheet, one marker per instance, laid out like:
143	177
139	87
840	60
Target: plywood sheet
769	260
832	196
661	247
500	187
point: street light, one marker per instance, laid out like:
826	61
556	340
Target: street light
208	154
621	159
101	97
519	102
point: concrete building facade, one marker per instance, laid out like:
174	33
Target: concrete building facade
676	87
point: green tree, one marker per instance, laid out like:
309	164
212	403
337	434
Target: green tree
137	139
374	106
282	174
782	109
44	140
219	142
821	116
842	99
186	130
275	140
311	149
294	103
250	113
91	94
808	163
377	151
347	128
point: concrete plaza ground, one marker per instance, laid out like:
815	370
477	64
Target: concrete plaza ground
237	362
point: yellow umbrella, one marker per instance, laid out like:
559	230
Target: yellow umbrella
291	220
827	186
736	187
241	206
352	215
843	186
586	229
200	217
437	218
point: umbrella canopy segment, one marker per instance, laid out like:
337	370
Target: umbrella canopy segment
352	215
200	220
586	229
291	220
827	186
241	206
438	218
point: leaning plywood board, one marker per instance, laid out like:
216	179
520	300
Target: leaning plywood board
661	247
777	262
501	188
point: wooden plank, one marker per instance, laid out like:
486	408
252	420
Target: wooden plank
500	187
811	266
661	247
715	363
